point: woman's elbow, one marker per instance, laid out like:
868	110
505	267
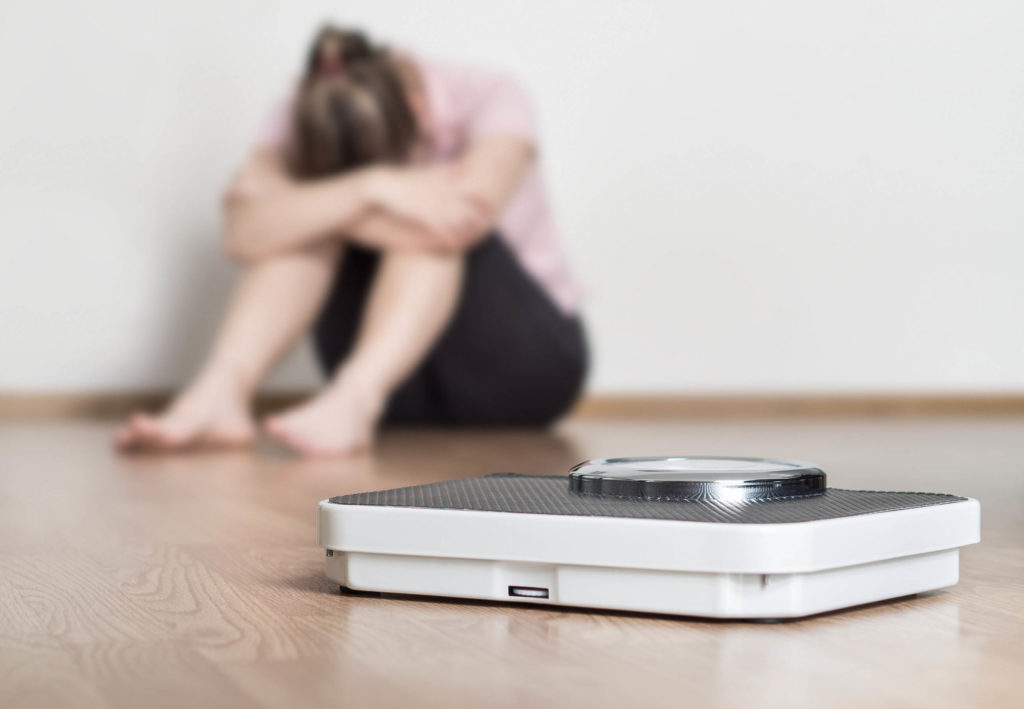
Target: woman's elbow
236	246
235	251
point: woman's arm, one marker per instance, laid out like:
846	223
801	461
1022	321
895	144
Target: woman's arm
489	174
493	168
267	212
438	208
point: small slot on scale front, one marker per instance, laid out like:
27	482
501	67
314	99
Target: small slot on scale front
527	592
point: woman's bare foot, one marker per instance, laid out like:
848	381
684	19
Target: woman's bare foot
340	421
209	413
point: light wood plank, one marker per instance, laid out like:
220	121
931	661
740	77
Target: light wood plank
196	580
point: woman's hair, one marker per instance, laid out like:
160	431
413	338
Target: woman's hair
352	108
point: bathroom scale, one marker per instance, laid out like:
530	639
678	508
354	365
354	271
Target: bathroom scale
706	536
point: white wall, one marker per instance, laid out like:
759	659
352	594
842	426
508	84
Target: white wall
761	196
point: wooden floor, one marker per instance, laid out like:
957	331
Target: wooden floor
193	581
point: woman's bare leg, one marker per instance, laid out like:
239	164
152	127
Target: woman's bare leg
272	308
413	297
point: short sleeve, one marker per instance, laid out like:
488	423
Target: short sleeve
504	107
274	130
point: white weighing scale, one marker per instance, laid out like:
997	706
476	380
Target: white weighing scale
695	536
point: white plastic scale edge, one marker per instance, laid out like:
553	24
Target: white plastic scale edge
781	570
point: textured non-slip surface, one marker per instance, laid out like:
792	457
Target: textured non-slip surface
550	495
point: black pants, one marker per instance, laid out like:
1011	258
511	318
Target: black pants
508	355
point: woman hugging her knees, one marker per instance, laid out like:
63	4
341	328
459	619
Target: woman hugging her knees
394	207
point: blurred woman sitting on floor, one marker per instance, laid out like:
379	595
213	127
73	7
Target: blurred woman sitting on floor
394	206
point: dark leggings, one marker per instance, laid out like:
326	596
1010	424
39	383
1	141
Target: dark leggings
507	357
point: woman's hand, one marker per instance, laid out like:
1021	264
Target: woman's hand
268	213
449	213
438	208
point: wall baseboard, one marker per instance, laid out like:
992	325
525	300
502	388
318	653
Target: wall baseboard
837	404
120	404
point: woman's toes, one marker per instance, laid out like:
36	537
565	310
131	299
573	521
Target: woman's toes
131	435
305	448
158	434
190	421
137	428
234	438
124	437
299	430
272	425
149	431
328	426
147	426
277	427
323	448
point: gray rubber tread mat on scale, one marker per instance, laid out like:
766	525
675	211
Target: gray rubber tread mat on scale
550	495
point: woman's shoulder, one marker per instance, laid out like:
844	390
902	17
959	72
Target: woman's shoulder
463	78
450	68
475	99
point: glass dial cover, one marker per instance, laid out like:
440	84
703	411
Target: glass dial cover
708	478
